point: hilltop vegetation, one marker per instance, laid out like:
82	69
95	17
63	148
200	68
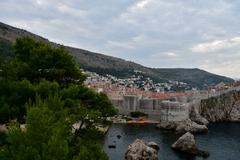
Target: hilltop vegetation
42	87
6	49
120	68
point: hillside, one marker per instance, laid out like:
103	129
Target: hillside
103	64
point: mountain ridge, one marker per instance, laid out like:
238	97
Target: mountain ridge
104	64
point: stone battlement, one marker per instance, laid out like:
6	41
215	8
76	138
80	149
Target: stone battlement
155	108
173	109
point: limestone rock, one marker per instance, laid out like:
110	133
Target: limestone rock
196	117
153	145
201	120
186	143
183	126
138	150
167	125
225	107
190	126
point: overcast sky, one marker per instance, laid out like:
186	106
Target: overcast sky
156	33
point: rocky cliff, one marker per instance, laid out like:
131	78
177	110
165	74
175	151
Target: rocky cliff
225	107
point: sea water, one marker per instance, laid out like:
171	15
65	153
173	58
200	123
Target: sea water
222	141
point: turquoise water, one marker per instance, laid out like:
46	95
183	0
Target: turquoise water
222	141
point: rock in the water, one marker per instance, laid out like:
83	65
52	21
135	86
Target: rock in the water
138	150
196	117
186	143
167	125
190	126
153	145
183	127
201	120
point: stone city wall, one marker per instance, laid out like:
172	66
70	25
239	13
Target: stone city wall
155	108
175	109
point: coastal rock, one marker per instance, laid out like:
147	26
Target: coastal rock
138	150
225	107
153	145
167	125
183	127
200	120
196	117
186	143
190	126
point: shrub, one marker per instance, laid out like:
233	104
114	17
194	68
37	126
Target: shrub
138	114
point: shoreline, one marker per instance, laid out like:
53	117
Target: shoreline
158	122
147	132
135	121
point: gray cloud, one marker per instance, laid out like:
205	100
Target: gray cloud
156	33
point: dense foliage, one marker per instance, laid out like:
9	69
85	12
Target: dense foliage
138	114
6	49
42	88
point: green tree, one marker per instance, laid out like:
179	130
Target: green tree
14	95
48	136
91	151
44	61
42	87
45	135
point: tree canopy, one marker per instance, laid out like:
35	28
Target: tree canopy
42	88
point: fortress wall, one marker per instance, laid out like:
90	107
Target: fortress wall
146	104
183	99
179	113
149	104
166	110
131	102
174	111
155	108
119	104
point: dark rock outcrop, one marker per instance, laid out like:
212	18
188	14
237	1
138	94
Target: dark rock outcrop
139	150
186	144
196	117
153	145
225	107
190	126
183	127
167	125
